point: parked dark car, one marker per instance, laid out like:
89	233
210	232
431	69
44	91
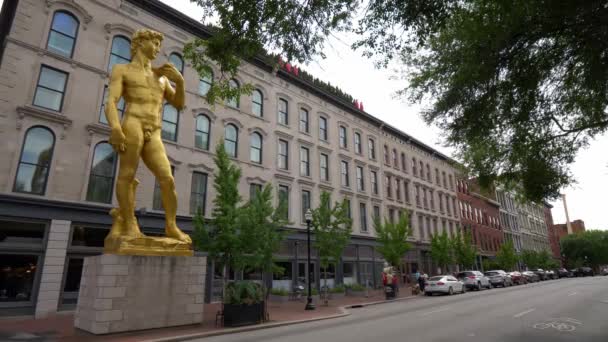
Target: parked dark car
550	274
540	273
573	272
518	278
499	278
605	271
563	273
585	272
531	277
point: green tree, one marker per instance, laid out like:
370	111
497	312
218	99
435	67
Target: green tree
530	259
392	238
261	233
589	248
240	237
465	253
220	237
332	229
441	251
506	257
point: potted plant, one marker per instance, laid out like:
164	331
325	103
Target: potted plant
355	290
338	292
243	303
279	295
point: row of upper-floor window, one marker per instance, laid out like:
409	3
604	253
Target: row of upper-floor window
62	39
37	154
418	168
484	241
393	188
478	216
428	226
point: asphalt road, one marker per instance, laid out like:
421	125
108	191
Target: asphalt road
557	310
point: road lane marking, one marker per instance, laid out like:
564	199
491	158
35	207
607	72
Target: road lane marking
434	311
572	294
523	313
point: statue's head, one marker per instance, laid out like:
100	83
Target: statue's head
385	264
147	42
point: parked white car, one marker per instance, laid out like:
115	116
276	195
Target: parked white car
443	284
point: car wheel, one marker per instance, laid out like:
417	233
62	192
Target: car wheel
478	287
489	286
428	294
450	291
464	289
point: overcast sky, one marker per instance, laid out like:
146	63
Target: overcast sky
357	76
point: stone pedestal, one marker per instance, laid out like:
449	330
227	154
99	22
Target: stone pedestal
121	293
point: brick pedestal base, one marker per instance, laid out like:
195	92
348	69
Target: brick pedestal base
124	293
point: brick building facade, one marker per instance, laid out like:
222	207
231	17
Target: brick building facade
479	214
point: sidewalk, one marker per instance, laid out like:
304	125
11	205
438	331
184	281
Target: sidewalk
61	327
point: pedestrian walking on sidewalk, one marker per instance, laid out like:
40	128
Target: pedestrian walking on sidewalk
421	280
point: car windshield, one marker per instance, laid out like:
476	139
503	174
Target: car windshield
492	273
464	274
435	278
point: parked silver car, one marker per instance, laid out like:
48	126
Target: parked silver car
474	280
443	284
499	278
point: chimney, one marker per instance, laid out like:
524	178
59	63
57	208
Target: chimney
568	225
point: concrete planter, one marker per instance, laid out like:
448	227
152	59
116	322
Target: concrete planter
241	314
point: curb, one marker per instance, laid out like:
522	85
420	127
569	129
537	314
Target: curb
344	312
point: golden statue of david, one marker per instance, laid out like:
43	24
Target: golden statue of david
144	89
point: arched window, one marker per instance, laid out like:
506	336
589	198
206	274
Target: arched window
204	84
169	125
62	36
231	140
255	152
201	136
121	51
257	103
177	61
35	161
233	101
101	177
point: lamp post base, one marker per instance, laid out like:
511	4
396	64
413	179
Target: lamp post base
309	305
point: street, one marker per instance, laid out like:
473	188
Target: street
572	309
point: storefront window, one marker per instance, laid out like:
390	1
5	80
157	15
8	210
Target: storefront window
72	281
21	233
88	237
17	274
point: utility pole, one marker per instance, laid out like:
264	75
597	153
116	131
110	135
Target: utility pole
567	217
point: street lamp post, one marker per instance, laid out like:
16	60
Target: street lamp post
309	304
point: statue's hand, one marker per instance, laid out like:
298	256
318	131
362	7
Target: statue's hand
118	140
170	72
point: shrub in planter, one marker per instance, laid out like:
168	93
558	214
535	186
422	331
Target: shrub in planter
279	295
338	291
243	303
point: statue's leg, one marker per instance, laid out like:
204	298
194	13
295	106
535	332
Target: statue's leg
155	158
126	182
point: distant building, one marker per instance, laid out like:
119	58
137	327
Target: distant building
558	231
